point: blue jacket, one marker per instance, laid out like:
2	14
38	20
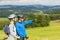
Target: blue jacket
20	27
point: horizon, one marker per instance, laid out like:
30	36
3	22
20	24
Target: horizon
28	5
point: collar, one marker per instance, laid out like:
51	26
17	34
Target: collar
19	22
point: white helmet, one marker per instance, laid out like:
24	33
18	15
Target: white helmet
12	16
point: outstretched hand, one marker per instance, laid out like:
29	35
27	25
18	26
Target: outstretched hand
34	20
18	37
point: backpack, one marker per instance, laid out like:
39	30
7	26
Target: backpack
7	29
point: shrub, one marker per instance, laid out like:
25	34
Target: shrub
3	22
42	20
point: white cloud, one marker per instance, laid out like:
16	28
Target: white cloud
22	2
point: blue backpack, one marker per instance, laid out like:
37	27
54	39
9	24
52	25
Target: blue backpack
7	29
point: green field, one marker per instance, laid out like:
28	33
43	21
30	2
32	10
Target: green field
51	32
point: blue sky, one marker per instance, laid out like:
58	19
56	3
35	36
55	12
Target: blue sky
27	2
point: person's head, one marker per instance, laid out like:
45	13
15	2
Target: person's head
12	17
20	18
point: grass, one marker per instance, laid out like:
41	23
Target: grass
1	19
51	32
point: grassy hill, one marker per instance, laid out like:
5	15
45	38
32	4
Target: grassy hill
51	32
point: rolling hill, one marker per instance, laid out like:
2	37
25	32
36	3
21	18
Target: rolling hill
24	9
28	8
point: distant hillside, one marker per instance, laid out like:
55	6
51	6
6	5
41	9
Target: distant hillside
24	9
28	8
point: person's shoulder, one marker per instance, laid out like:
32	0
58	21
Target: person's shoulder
16	24
11	25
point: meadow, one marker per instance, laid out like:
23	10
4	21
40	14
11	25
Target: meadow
51	32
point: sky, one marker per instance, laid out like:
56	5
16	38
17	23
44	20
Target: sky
29	2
